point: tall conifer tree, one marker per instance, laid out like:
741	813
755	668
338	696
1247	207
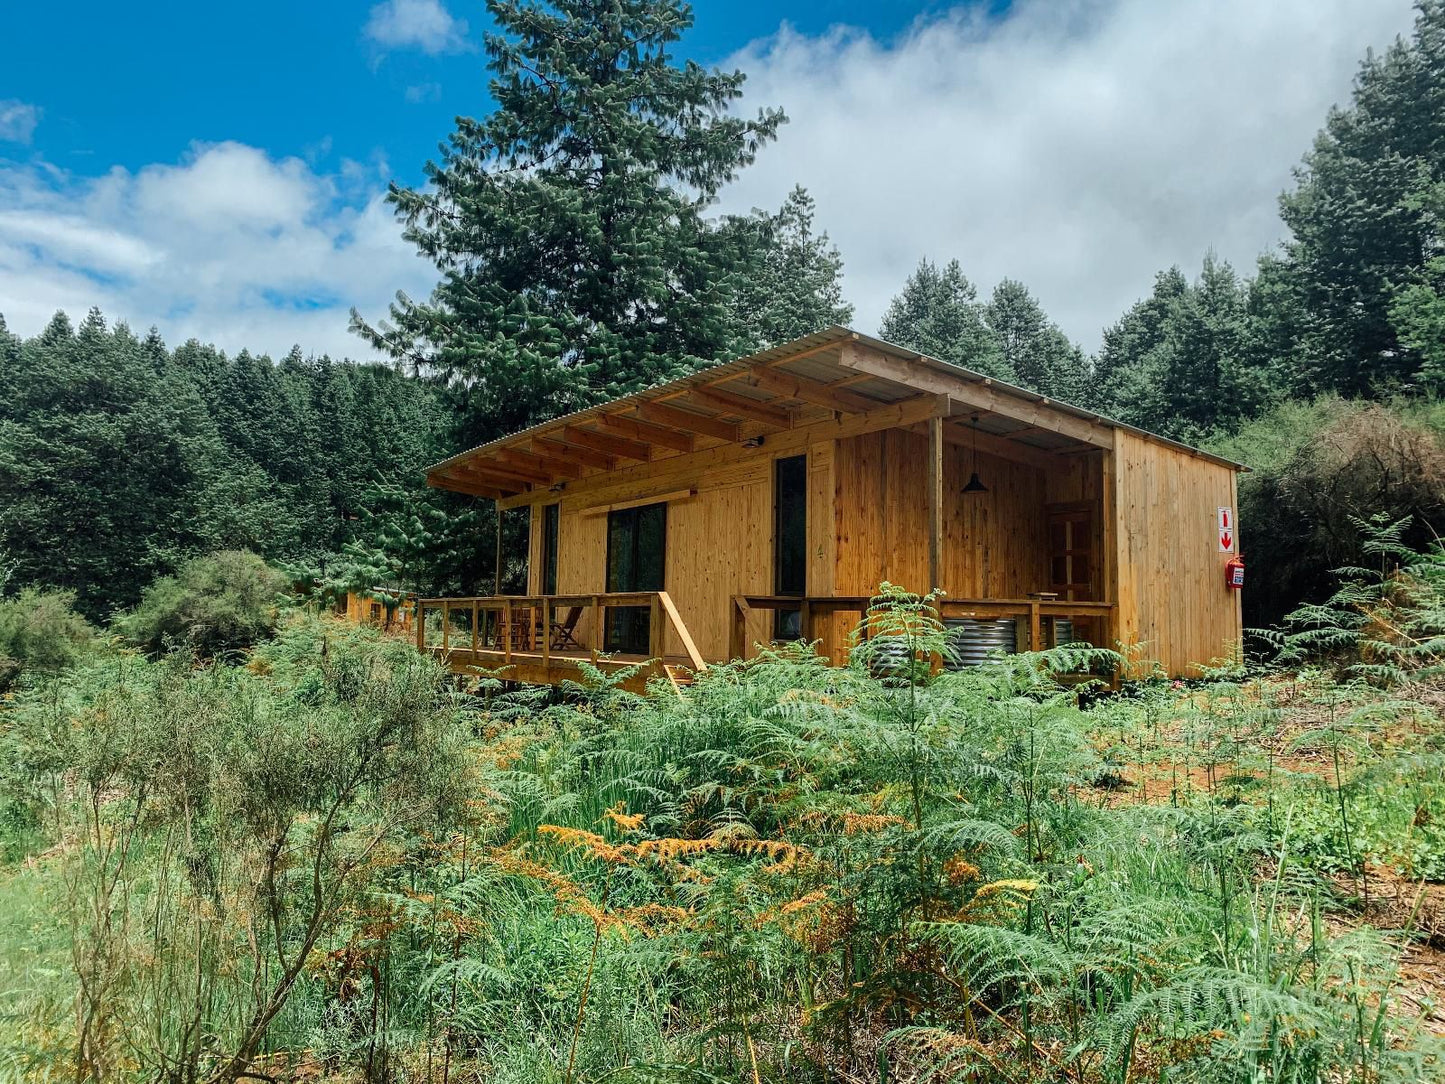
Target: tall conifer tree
568	225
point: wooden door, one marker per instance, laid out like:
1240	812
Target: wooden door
1071	551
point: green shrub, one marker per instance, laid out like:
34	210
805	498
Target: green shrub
39	631
1319	469
222	602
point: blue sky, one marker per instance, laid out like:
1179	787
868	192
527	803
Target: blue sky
219	171
132	84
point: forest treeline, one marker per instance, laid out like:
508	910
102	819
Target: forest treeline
579	258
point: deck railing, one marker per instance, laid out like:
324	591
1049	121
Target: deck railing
512	625
1030	612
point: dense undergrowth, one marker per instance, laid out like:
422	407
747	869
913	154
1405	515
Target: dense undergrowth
328	861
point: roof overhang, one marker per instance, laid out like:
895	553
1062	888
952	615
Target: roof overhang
832	373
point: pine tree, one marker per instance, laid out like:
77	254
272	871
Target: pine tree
105	462
939	314
1182	362
1033	348
568	224
796	285
1366	219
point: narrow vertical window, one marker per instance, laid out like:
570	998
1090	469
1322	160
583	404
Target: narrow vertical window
790	540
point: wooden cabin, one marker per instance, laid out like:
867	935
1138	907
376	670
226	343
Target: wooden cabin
768	497
386	608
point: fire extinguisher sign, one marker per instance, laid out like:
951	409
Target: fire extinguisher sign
1226	529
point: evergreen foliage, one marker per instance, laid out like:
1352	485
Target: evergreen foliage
1366	225
938	313
1180	362
120	459
1032	347
569	229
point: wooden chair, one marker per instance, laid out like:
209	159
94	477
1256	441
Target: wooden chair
564	632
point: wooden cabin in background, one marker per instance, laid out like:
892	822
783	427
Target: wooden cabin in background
767	498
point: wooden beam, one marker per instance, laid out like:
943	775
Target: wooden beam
504	471
989	444
471	489
648	433
638	502
684	470
560	449
550	465
748	409
705	425
976	394
608	445
935	503
811	391
497	576
694	656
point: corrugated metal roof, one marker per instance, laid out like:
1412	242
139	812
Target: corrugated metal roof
812	366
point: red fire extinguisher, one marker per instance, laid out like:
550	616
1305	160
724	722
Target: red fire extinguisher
1234	573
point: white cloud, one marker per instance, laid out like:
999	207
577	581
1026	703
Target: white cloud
1078	145
418	24
424	92
17	120
230	245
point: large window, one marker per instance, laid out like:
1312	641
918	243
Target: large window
636	558
551	526
790	540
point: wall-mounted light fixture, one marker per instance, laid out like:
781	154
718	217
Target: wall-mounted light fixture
753	442
557	487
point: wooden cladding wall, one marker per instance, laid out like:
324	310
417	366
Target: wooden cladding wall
1172	596
719	543
994	543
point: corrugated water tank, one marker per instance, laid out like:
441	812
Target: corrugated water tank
975	639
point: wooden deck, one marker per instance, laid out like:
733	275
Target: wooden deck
545	639
530	668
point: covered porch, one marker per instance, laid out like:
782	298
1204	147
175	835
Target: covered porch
768	498
545	639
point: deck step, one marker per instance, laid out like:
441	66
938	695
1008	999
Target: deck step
678	674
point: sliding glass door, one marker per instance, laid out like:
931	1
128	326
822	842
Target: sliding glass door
636	558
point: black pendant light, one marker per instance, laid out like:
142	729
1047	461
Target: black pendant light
974	485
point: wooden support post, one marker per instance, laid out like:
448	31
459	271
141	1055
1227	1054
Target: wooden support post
656	631
805	621
476	612
1035	637
935	503
420	627
546	632
446	628
738	640
497	575
594	642
507	630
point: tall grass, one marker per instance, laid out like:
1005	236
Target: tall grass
888	871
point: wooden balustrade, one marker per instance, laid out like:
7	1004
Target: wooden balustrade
552	630
812	608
